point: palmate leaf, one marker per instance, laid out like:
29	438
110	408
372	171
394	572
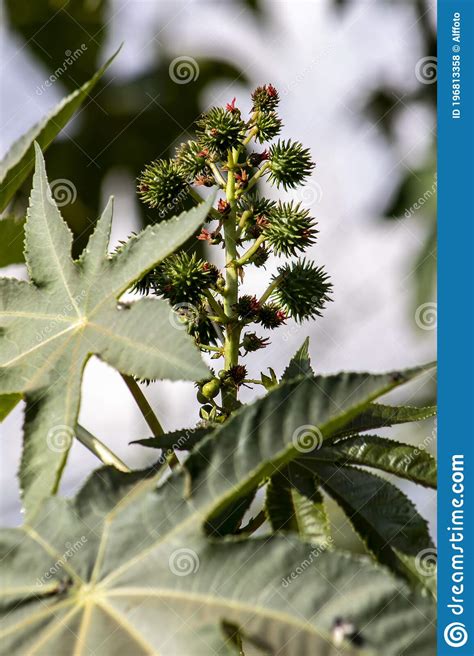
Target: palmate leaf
403	460
122	589
183	439
300	363
51	326
377	415
19	161
384	517
295	504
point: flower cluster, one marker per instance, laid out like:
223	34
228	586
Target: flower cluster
233	154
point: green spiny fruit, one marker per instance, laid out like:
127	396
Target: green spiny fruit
267	125
265	98
290	229
163	185
303	290
219	130
192	159
290	163
183	278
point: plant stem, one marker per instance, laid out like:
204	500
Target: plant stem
267	293
216	307
232	339
253	249
217	175
255	178
148	414
145	408
243	220
99	449
207	347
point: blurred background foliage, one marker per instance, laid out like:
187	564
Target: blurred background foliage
114	128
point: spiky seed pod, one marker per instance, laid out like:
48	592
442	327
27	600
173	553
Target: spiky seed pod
290	229
183	278
256	205
303	290
268	126
237	374
290	163
163	185
260	257
145	285
192	160
265	98
271	316
200	327
247	307
252	342
219	130
258	209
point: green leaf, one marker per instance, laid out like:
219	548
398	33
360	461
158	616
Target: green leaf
19	161
295	504
125	569
384	517
292	419
403	460
7	403
300	363
11	240
377	415
229	521
68	312
183	439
